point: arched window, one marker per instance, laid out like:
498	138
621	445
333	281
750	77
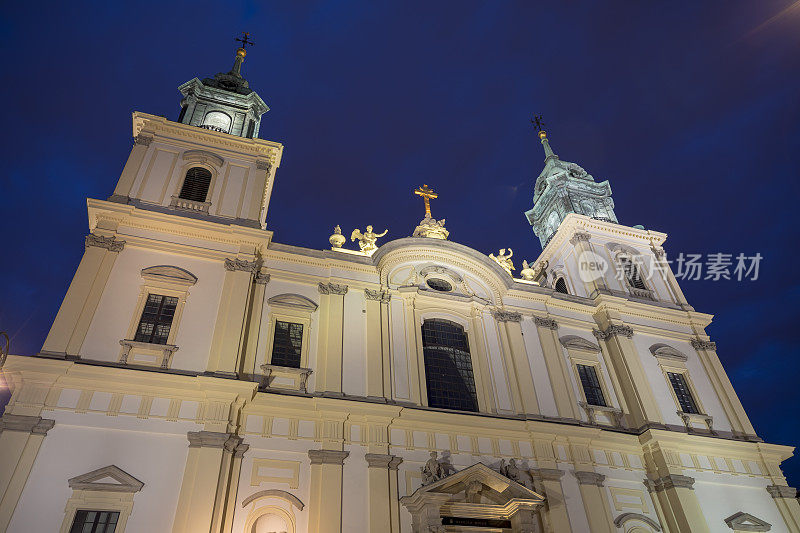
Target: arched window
195	186
632	275
448	366
561	286
217	121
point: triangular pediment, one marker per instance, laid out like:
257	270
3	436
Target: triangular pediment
108	479
501	487
746	522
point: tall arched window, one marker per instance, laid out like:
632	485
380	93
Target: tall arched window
195	186
561	286
448	366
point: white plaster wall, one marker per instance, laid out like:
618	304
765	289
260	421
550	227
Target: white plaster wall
721	496
541	378
354	355
355	493
118	304
155	458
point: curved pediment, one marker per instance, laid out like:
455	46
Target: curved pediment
203	156
295	301
169	273
667	352
576	342
627	517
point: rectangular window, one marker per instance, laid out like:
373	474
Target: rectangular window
156	319
94	522
681	388
591	385
287	344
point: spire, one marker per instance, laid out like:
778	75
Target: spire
241	52
564	188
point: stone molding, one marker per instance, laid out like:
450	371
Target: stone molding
624	517
699	344
262	278
382	296
327	457
35	425
332	288
233	265
589	478
380	460
213	439
614	329
240	450
144	140
507	316
109	243
672	481
545	322
262	165
742	521
579	236
274	493
550	474
167	351
782	491
89	481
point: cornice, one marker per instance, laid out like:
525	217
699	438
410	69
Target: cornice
327	457
35	425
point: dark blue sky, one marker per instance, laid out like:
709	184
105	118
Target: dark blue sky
690	109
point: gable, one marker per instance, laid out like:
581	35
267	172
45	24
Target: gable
107	479
742	521
488	478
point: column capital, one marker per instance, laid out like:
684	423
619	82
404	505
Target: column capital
211	439
579	236
671	481
383	460
240	450
36	425
699	344
614	329
589	478
233	265
545	322
262	278
332	288
112	244
782	491
382	296
262	165
549	474
144	140
327	457
506	316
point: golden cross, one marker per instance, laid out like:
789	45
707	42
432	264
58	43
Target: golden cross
427	194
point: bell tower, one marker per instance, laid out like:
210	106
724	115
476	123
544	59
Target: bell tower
564	188
224	103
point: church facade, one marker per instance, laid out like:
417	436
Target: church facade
203	377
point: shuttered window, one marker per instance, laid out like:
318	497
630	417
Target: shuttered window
591	385
156	319
195	186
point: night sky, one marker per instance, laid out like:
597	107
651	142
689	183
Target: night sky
690	109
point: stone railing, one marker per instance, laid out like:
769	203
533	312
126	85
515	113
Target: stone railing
189	205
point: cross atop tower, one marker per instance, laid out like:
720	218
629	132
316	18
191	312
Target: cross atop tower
244	39
539	125
427	194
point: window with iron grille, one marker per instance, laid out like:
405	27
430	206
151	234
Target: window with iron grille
287	344
195	185
156	319
448	366
681	388
94	522
632	274
591	385
561	286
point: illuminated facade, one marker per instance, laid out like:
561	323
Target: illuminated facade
201	377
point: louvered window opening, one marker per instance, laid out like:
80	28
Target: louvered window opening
156	319
591	385
448	366
681	388
195	186
288	344
632	274
561	286
87	521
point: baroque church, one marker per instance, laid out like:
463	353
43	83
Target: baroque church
202	377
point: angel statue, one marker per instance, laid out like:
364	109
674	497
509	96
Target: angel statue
366	240
504	260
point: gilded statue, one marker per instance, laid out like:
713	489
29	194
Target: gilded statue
504	260
366	240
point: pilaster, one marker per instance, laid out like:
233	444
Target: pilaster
21	437
566	404
226	344
786	500
253	326
141	144
581	241
593	494
381	468
377	360
331	347
555	516
326	490
513	344
639	401
678	503
83	295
